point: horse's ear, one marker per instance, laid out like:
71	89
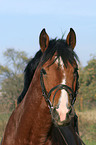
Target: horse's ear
71	38
43	40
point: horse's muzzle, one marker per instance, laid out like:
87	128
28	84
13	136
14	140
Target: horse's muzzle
56	117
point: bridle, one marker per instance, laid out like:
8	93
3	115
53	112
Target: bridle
72	95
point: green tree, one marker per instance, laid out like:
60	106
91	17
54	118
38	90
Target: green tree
87	90
11	76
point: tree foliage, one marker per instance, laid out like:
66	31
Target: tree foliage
11	76
87	91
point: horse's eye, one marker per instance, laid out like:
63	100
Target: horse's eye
43	71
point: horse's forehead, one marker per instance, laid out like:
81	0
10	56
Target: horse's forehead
60	62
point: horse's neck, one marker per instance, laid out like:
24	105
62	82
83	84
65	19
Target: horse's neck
31	120
41	125
41	118
37	113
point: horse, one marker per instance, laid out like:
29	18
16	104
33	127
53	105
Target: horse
45	115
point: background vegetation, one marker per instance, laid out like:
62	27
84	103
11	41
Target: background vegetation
11	85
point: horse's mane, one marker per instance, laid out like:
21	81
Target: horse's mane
31	67
61	47
28	74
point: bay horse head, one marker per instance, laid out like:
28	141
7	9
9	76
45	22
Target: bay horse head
53	89
59	75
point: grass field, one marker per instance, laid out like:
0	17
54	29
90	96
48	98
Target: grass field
3	121
87	125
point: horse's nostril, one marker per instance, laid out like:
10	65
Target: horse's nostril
70	111
67	115
55	114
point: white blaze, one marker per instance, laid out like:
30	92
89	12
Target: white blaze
63	102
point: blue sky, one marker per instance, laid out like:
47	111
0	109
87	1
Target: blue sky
22	20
